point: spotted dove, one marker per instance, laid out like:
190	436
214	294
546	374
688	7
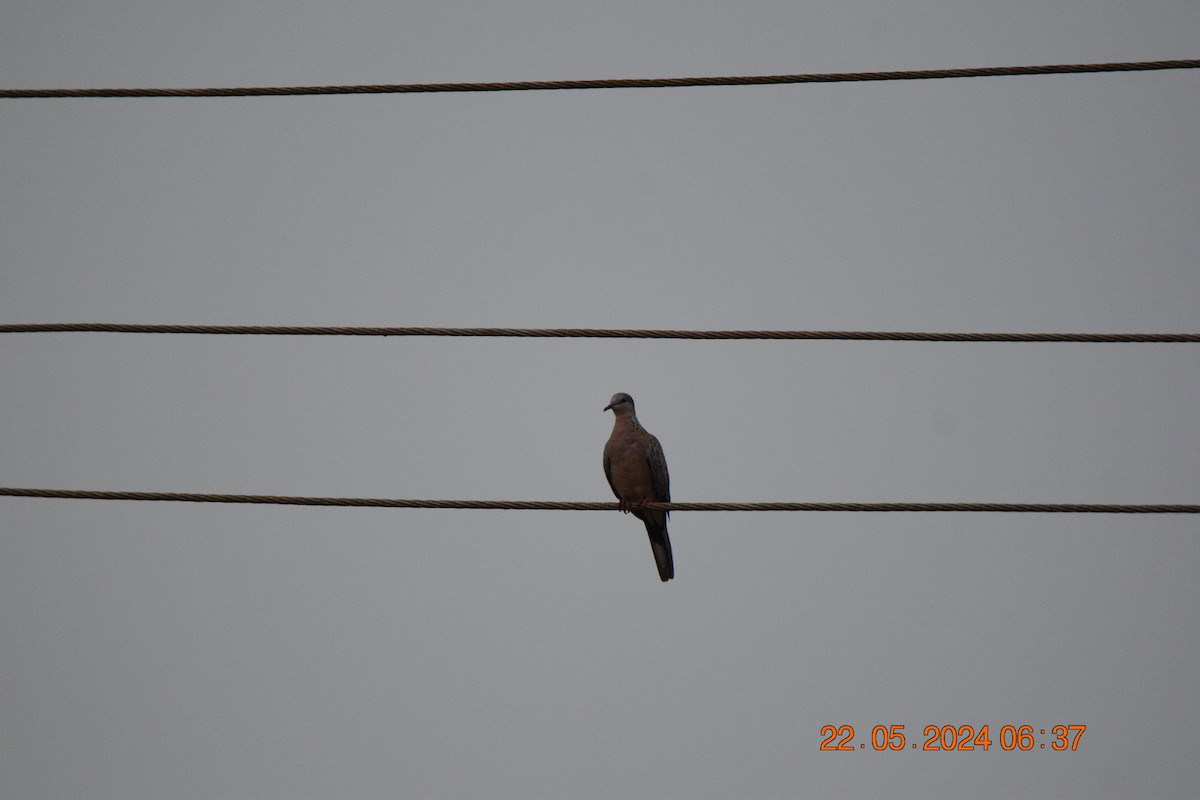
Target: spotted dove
637	472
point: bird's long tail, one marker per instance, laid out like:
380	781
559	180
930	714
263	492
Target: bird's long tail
660	544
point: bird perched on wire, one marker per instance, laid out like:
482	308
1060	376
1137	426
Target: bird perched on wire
637	472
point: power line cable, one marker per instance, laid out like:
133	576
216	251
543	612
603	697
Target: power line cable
617	83
592	333
554	505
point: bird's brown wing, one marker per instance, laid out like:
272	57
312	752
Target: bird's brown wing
608	475
660	478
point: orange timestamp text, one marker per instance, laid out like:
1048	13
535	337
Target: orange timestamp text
954	738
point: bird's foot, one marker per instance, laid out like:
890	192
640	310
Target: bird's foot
627	505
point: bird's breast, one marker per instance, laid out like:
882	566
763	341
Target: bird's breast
631	474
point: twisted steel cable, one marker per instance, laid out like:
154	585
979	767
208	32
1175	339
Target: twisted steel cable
590	333
555	505
617	83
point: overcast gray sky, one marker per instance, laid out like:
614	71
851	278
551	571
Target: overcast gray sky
186	651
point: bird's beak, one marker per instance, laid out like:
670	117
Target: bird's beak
608	407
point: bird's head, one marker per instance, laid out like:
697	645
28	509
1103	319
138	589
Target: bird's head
621	404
